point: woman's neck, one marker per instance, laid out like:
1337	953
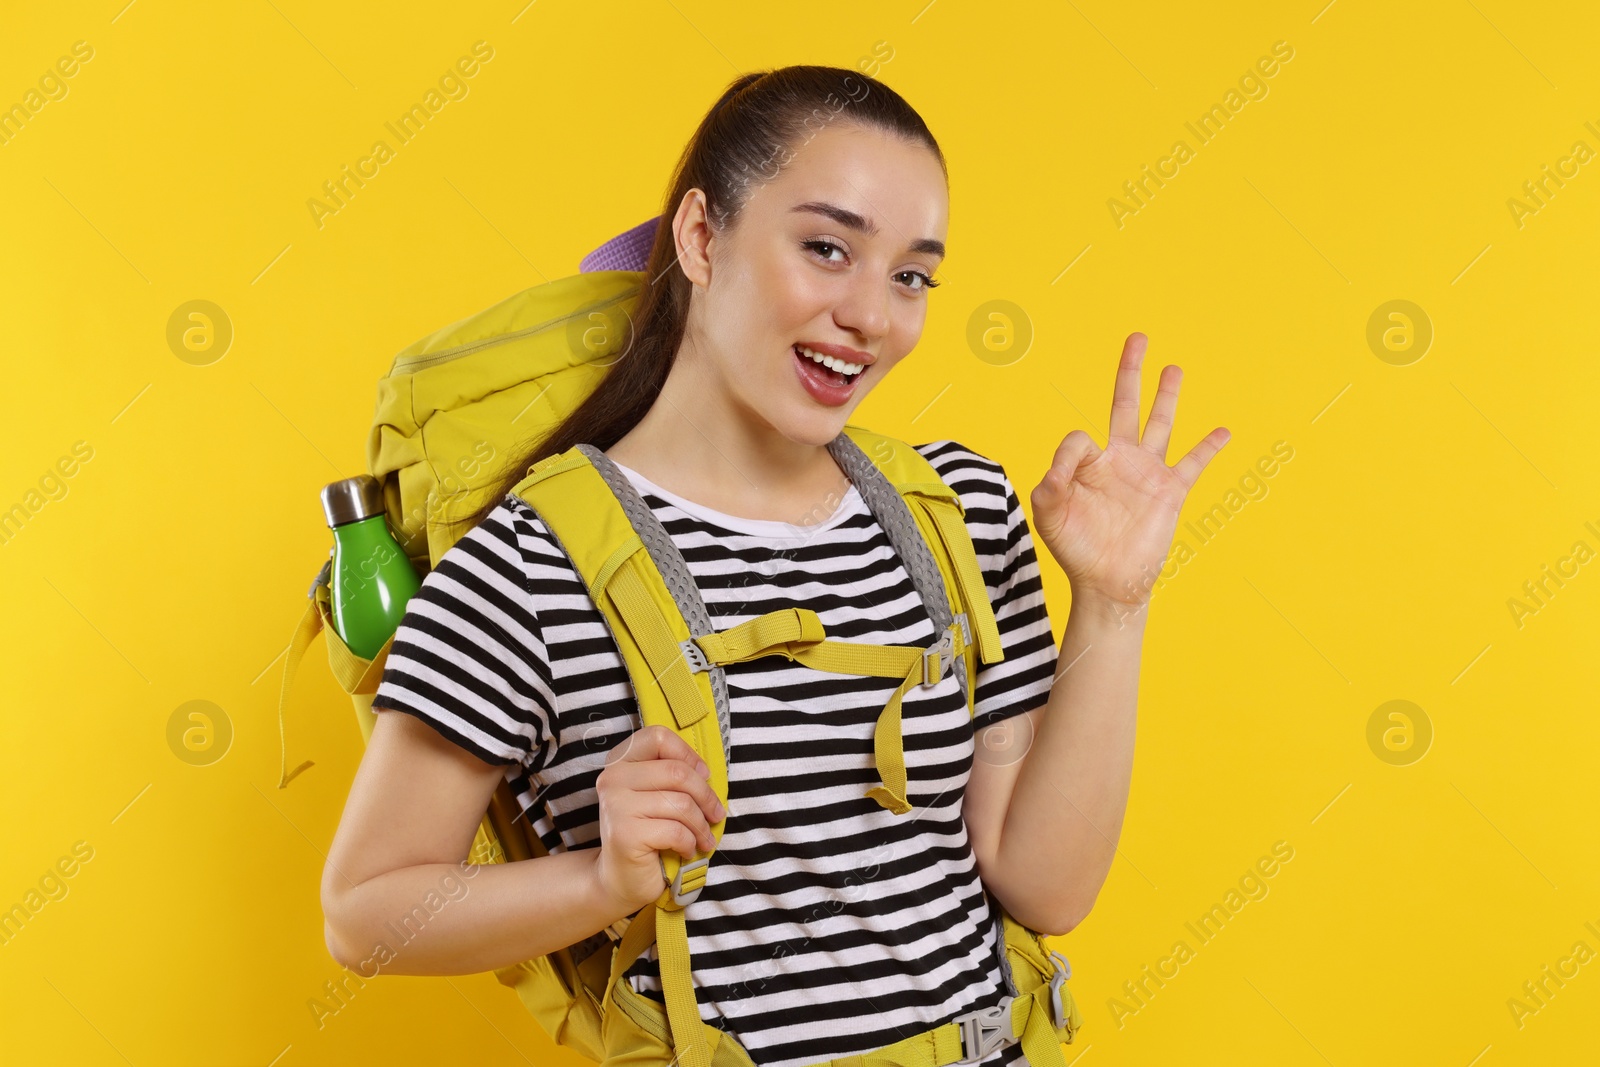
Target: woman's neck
704	451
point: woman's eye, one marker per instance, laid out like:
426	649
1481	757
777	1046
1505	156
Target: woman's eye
824	248
819	245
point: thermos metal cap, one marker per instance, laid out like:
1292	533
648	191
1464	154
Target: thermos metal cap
352	499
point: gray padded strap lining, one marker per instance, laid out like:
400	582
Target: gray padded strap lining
669	561
894	515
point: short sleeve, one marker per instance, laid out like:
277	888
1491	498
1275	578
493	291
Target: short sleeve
468	657
1004	544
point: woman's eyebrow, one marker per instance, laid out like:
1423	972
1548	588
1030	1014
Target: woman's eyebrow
846	217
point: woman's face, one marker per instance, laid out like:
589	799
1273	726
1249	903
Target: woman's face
830	255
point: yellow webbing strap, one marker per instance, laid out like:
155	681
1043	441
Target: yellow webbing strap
888	749
665	658
665	926
1030	1017
941	1046
798	634
770	633
354	674
683	1012
304	632
635	939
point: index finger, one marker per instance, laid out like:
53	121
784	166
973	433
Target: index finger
1125	396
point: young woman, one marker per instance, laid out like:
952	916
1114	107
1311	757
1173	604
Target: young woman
789	275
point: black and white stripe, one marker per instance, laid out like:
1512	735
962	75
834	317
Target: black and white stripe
828	926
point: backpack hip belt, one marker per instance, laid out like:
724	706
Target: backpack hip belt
1040	1014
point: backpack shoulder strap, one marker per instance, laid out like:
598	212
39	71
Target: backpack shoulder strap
650	604
953	586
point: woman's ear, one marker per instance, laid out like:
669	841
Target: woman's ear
691	230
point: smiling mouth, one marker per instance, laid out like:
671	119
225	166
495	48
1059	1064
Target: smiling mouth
821	366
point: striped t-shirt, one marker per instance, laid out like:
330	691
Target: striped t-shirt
828	926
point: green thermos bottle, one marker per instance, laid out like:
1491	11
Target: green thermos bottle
370	577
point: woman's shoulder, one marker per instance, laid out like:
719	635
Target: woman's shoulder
507	561
514	532
980	481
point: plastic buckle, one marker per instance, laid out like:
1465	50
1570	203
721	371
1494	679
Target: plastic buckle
679	897
322	576
695	655
936	657
984	1030
966	630
1058	1010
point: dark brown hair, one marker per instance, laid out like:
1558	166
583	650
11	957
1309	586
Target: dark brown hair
757	125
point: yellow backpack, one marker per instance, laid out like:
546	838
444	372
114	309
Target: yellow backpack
452	407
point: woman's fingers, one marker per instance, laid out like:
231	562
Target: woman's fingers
1048	497
653	797
625	808
668	835
1125	394
675	807
670	776
1189	467
653	742
1158	429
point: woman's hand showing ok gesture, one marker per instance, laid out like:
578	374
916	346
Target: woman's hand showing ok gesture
1108	515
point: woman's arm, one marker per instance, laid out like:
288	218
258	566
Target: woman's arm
1044	825
397	895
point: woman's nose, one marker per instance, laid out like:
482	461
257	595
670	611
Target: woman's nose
865	308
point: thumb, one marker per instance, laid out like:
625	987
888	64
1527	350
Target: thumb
1050	497
1050	493
1049	500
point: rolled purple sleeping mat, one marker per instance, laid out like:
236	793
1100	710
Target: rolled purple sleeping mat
629	250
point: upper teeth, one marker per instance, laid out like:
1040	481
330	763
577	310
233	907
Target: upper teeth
848	369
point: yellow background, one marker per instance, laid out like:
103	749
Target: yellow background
1378	566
